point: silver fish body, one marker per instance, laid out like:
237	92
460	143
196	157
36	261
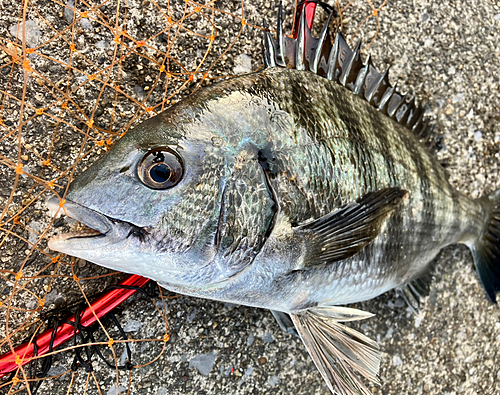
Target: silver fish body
326	152
296	195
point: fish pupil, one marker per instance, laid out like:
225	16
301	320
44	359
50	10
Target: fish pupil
160	172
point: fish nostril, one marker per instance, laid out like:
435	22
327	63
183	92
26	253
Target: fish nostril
124	169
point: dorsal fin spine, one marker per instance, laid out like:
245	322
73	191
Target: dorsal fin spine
339	63
417	117
394	103
403	110
360	80
270	52
300	58
323	42
280	45
379	89
420	128
372	88
346	67
382	107
332	58
352	68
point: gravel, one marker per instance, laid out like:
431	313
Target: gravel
446	52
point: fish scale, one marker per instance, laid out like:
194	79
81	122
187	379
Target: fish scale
389	148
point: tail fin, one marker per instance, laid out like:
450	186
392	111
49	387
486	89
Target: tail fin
486	249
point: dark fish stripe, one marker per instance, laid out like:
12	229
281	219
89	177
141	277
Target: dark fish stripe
380	134
358	144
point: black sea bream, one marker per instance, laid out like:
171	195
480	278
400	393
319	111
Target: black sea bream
297	189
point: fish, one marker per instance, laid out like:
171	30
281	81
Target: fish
300	189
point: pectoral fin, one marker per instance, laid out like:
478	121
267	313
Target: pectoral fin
337	350
346	231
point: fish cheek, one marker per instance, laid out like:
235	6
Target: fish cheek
190	221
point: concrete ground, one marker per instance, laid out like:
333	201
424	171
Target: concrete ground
448	54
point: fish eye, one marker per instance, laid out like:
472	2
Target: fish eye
161	168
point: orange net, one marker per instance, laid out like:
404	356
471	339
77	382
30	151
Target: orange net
76	75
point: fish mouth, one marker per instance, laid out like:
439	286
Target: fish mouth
100	229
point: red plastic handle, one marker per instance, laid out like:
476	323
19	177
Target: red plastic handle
23	354
310	11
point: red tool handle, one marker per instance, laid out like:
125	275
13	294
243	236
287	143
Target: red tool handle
23	354
310	11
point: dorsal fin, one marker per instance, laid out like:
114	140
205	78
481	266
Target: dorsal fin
339	63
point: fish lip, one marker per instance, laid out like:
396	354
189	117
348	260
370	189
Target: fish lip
106	229
86	216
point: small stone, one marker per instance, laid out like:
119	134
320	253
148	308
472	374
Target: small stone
56	371
35	228
250	339
478	136
428	42
192	314
448	110
86	24
68	12
243	64
262	360
458	98
396	360
248	373
139	91
32	32
132	326
399	303
113	391
203	362
81	262
230	306
102	44
268	338
274	380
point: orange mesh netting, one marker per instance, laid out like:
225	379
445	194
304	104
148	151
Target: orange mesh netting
76	75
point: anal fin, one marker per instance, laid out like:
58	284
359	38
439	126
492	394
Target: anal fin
339	352
417	289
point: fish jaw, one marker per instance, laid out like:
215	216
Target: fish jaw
103	231
126	247
106	241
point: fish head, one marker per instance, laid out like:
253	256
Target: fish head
153	201
158	202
